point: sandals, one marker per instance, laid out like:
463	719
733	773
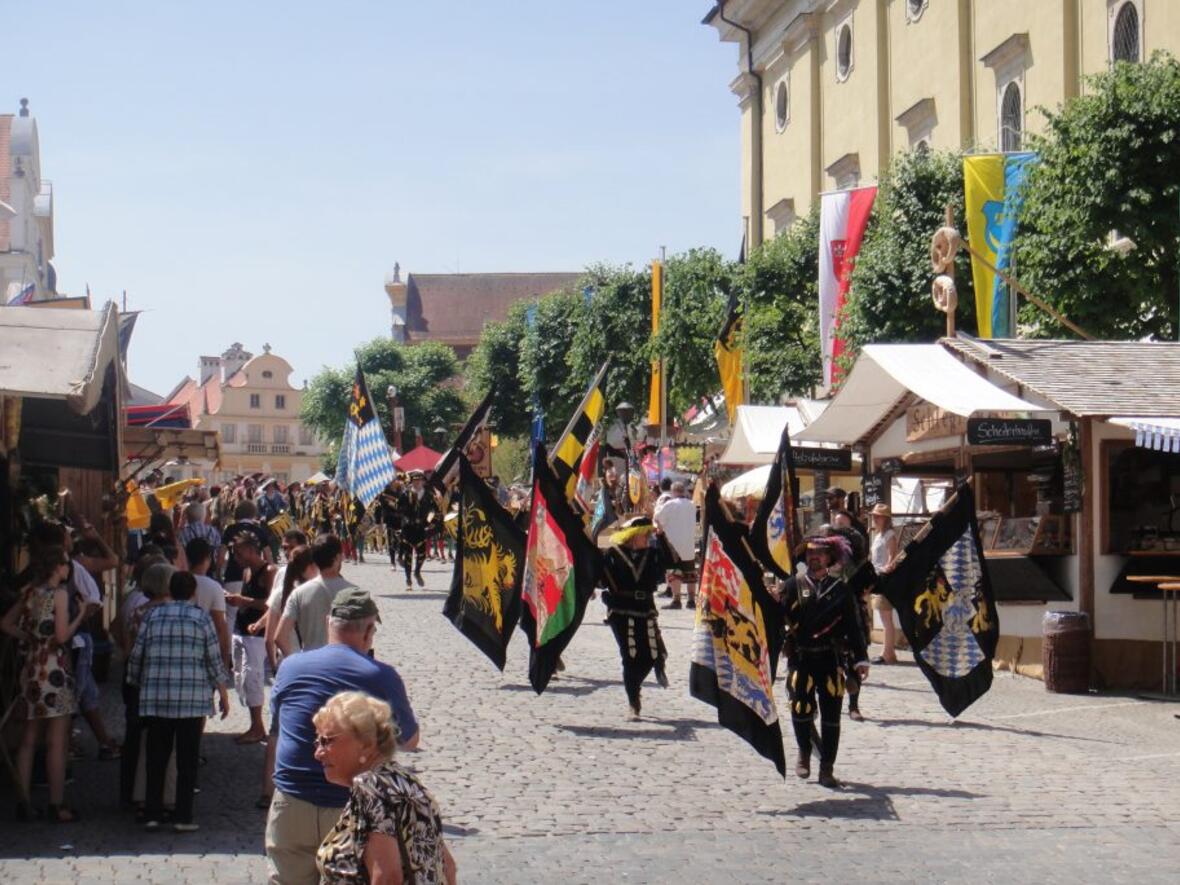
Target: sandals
62	814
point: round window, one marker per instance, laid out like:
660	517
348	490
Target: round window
781	106
844	51
268	374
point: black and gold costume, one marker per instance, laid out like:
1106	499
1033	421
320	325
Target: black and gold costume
822	622
389	513
632	578
417	513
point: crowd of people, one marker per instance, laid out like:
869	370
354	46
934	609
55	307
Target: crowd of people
218	598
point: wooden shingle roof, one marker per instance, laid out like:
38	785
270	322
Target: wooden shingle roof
1087	378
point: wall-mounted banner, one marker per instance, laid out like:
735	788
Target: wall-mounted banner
1009	431
808	458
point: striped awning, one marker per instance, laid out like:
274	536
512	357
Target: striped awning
1158	434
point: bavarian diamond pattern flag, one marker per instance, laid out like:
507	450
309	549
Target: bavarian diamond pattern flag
561	567
943	597
737	636
365	466
484	602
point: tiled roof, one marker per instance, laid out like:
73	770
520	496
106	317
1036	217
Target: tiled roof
1101	378
455	307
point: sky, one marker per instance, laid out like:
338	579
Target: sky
251	171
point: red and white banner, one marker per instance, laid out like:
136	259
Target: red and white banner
843	216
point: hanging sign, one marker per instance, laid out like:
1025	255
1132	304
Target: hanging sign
809	458
925	421
1009	431
876	488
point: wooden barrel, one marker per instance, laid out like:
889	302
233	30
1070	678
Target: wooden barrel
1065	651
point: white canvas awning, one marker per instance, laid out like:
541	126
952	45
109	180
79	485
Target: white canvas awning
53	353
1160	434
757	431
752	483
886	373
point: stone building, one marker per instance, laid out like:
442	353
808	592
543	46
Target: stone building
26	213
829	90
252	403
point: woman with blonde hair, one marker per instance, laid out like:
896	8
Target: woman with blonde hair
883	553
390	831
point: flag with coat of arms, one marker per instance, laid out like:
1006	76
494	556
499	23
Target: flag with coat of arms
365	464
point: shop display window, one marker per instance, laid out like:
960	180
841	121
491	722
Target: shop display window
1143	503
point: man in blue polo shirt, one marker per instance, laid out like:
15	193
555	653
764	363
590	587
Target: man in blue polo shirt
305	806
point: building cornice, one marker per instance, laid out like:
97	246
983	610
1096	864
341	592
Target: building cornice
800	31
846	164
1011	49
744	86
916	114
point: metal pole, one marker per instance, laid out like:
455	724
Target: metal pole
663	373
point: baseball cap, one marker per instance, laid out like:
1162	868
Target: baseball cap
353	604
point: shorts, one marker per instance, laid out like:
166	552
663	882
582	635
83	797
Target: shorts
686	571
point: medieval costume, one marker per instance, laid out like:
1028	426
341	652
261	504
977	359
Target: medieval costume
418	511
633	571
389	513
820	614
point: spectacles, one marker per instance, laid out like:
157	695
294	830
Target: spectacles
323	741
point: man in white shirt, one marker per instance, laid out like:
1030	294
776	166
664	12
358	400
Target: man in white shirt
304	624
210	595
676	518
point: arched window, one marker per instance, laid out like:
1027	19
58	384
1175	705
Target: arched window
915	8
782	107
1011	118
844	51
1124	39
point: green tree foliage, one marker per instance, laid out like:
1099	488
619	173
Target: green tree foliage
545	359
424	374
495	362
781	332
890	295
616	323
1109	161
696	284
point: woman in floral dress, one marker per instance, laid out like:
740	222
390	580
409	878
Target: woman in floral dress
390	831
41	620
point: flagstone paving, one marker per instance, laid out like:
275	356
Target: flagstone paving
1026	786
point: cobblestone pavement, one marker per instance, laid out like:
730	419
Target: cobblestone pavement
1027	786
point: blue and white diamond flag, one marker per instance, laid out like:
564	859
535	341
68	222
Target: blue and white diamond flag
365	465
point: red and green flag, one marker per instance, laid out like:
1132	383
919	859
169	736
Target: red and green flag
561	566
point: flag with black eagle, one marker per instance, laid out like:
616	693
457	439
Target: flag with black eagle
737	636
943	598
560	572
484	602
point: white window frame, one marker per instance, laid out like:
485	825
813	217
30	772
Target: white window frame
229	433
1002	89
254	434
1113	8
281	434
913	11
842	76
783	86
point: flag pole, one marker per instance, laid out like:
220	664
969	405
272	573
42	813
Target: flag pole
663	376
569	427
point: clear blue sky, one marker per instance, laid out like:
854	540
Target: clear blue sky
251	171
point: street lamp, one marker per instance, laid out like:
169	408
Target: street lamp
397	417
440	436
626	413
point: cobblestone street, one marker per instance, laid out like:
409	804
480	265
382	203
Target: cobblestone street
1028	786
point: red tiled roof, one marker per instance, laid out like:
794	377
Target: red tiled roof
454	308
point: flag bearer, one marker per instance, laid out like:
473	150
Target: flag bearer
819	612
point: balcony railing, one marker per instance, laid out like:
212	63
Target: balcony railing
256	448
280	449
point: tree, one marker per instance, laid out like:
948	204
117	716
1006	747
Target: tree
696	284
616	323
781	330
426	376
545	358
890	295
495	362
1108	163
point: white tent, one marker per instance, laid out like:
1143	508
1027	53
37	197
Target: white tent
758	429
752	482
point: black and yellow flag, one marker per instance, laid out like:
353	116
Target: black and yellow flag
484	602
567	454
727	348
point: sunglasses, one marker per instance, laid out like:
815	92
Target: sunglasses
323	741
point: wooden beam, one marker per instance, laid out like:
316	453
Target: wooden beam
1088	525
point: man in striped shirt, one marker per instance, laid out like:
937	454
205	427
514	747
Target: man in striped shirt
196	527
176	662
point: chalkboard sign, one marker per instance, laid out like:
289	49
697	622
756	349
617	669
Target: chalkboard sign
889	465
876	489
1071	484
810	458
1009	431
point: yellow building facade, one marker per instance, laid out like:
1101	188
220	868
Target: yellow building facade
829	90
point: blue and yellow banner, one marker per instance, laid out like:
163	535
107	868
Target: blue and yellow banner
994	193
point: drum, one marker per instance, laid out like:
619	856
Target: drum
281	524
